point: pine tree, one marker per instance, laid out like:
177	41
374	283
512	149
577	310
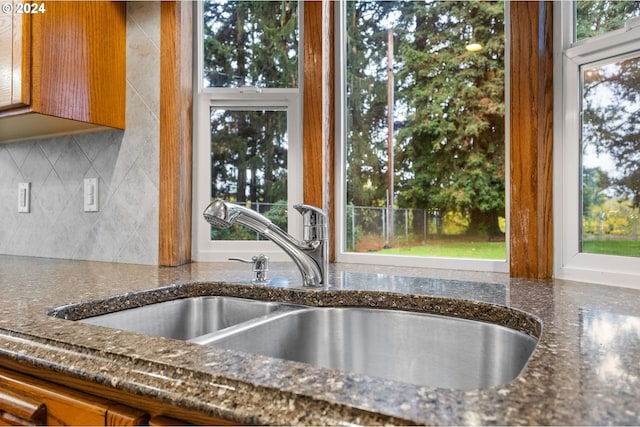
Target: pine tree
367	103
451	149
249	43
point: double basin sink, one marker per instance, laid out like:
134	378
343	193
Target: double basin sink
410	347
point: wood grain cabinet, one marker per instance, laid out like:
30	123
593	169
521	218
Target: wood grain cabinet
42	397
25	400
62	69
11	58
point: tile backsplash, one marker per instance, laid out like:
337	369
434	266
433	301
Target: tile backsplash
126	164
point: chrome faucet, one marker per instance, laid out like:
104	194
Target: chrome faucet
310	255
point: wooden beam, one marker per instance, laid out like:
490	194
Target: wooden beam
175	132
319	109
312	105
531	139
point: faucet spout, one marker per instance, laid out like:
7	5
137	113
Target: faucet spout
309	255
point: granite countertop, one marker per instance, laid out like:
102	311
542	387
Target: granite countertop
584	371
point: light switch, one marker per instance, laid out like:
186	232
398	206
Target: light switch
91	195
24	197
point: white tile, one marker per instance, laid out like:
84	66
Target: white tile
143	54
136	251
51	197
112	164
151	164
72	163
36	167
147	16
8	168
19	151
50	148
92	248
75	220
136	196
8	214
92	144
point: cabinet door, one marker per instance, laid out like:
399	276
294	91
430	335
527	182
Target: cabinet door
16	408
62	69
14	63
63	406
78	58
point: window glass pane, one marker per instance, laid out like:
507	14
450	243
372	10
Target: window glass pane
595	17
611	157
250	43
249	165
430	181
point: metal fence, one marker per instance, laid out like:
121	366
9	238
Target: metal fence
362	221
403	225
392	225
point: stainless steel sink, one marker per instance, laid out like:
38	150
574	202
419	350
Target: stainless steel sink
415	348
410	347
187	318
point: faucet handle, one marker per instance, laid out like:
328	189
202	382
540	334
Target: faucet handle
314	222
260	267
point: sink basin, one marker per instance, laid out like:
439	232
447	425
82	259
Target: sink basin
410	347
416	348
187	318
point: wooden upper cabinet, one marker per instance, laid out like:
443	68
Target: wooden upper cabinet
14	64
68	69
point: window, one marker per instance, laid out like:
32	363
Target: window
423	130
249	163
247	121
597	149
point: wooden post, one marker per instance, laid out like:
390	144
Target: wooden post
319	109
531	139
174	232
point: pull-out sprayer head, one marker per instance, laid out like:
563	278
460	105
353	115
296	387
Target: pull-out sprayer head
219	215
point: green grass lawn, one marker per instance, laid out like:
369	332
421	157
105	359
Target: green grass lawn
612	247
497	250
487	250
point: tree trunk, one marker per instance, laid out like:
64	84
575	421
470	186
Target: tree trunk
485	224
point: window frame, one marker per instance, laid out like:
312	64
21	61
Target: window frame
251	99
569	262
472	264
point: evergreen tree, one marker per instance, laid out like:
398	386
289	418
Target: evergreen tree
595	17
451	149
249	43
367	102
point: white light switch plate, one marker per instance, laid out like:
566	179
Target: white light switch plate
24	197
91	195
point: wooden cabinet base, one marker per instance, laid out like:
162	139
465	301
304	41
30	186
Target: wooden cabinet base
71	401
17	408
25	400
